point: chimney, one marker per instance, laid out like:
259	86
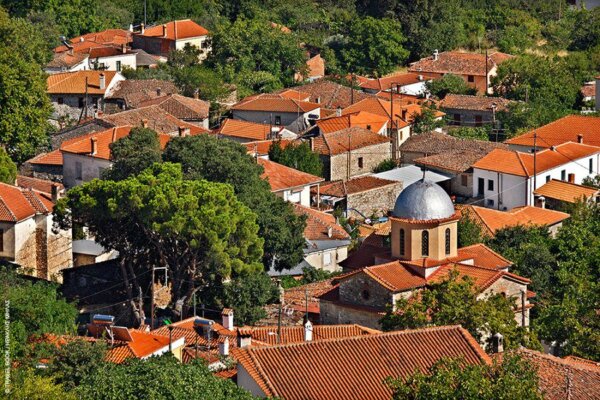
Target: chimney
144	123
308	331
70	52
498	343
571	178
130	27
142	28
102	81
197	94
55	192
541	202
404	114
114	135
165	30
227	315
94	142
580	138
244	340
329	232
158	92
124	48
81	39
420	77
436	55
338	112
224	348
183	131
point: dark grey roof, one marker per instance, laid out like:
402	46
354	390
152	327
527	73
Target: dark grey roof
423	201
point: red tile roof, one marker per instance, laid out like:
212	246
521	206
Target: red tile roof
275	103
589	89
459	63
136	91
562	130
493	220
330	95
354	185
566	191
175	30
52	158
281	177
261	147
295	334
404	111
107	37
362	119
353	368
40	185
338	142
74	82
143	345
16	204
180	106
478	103
561	379
318	224
103	140
387	82
245	129
66	60
521	164
483	256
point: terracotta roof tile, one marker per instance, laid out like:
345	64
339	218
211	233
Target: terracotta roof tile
562	130
565	191
354	185
136	91
353	368
387	82
521	164
261	147
362	119
458	63
275	104
108	36
483	256
318	224
493	220
180	106
244	129
15	205
330	95
562	378
295	334
395	276
103	140
175	30
74	82
438	143
589	89
66	60
478	103
281	177
52	158
338	142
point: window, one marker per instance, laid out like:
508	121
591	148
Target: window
402	241
369	128
60	100
365	294
80	100
425	244
118	65
563	175
447	241
78	171
471	78
360	162
204	44
1	239
456	119
326	258
102	66
490	184
277	120
591	165
478	120
548	178
464	180
490	203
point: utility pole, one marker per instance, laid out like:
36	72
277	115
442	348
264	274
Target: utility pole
85	103
487	84
352	88
349	159
306	304
534	164
152	300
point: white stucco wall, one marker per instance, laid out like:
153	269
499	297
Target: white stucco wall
244	380
297	196
90	168
295	122
110	63
196	41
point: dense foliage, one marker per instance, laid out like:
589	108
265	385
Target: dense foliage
513	378
297	156
448	84
8	169
133	153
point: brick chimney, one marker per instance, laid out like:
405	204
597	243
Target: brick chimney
183	131
580	138
197	94
224	347
498	343
94	142
308	331
571	178
165	30
124	48
142	29
55	192
227	316
102	81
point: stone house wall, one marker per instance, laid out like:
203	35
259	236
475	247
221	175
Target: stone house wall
336	166
334	313
362	290
375	201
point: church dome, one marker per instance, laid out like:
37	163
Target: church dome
423	201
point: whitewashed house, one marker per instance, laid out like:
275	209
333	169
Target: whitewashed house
288	183
505	179
175	35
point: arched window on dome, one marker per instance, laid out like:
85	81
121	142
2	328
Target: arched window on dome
402	241
425	244
447	241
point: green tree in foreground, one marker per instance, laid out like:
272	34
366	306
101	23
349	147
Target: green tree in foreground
450	379
74	361
206	157
426	121
133	153
449	83
453	301
297	156
8	169
27	384
158	378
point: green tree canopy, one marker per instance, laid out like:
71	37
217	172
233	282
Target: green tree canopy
195	228
206	157
453	301
373	46
159	378
449	83
74	361
8	169
133	153
297	156
469	232
465	132
514	378
385	165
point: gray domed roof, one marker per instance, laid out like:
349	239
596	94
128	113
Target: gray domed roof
423	201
